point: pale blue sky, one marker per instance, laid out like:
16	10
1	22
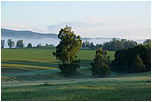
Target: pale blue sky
106	18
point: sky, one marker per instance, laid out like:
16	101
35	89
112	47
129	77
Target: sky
94	19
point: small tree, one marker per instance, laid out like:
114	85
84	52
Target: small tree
29	45
10	43
2	44
100	66
19	44
39	45
66	51
46	45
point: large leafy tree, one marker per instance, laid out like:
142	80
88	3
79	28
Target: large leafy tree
66	51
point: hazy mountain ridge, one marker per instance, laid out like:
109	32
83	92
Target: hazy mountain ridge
35	35
25	34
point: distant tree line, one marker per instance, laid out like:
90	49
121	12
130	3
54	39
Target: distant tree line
133	59
112	45
19	44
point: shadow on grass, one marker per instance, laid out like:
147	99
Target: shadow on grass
31	63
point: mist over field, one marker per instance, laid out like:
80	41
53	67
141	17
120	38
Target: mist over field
34	42
55	42
51	38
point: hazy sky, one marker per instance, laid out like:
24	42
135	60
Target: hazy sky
127	19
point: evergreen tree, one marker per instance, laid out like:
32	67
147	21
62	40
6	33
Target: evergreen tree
100	65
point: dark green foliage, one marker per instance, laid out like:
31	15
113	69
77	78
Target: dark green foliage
2	44
137	59
29	45
19	44
137	64
69	68
10	43
66	50
100	66
148	57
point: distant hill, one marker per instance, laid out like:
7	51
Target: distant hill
25	34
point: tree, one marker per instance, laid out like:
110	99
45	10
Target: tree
10	43
19	44
66	51
100	66
29	45
146	42
39	45
2	44
46	45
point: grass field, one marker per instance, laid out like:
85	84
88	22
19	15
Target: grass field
23	60
95	89
32	75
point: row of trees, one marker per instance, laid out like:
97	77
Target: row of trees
19	44
136	59
112	45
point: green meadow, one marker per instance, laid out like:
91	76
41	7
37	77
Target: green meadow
32	74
